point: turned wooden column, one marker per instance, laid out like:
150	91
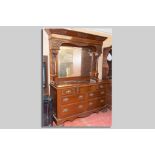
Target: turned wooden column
95	52
53	64
94	65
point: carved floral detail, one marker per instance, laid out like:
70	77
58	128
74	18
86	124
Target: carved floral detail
56	43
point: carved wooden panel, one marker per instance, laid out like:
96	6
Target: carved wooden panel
55	43
75	34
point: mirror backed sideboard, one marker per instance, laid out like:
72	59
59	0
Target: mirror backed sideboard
74	84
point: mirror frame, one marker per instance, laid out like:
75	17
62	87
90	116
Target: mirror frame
63	61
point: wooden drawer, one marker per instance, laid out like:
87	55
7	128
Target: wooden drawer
72	109
82	89
68	91
73	99
108	99
95	103
92	104
93	88
75	90
101	86
101	101
96	94
109	89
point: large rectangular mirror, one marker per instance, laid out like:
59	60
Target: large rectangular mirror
73	61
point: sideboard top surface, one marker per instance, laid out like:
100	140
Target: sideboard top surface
77	83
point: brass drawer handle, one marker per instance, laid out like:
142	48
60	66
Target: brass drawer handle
101	86
101	101
80	97
68	91
91	94
102	92
65	110
80	106
90	103
65	99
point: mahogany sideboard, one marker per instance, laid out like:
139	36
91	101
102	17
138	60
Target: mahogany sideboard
82	94
77	100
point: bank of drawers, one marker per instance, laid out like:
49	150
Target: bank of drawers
77	90
76	100
108	94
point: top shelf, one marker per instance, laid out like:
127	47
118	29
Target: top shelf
75	34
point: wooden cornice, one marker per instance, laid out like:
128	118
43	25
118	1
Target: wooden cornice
76	34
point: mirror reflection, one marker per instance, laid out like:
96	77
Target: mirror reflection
109	57
73	61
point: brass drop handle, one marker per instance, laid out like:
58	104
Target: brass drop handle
68	91
65	110
80	106
80	97
65	99
101	86
90	103
91	94
102	92
101	101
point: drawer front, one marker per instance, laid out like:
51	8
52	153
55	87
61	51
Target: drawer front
93	88
82	89
92	104
72	109
68	91
92	94
101	92
101	101
108	99
95	103
96	94
101	86
96	87
73	99
109	89
75	90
